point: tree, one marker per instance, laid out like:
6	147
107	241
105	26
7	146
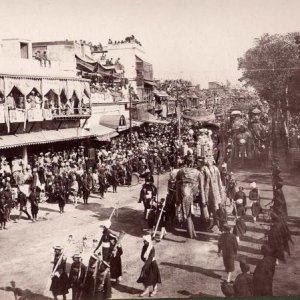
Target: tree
269	67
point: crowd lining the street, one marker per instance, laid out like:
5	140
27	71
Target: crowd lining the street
70	176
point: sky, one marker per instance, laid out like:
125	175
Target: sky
198	40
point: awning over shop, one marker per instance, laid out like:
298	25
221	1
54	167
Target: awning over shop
160	93
43	137
103	133
149	118
150	82
119	123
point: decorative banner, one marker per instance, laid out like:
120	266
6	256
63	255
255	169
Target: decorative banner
35	115
47	114
2	113
51	85
171	107
17	116
24	85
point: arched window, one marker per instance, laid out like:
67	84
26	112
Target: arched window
122	121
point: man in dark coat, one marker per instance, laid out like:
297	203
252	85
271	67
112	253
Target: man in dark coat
22	201
243	286
240	194
264	273
279	237
76	276
85	188
116	260
279	201
59	196
147	195
228	246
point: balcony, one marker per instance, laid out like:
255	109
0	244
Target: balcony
20	66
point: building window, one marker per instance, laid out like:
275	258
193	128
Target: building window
24	50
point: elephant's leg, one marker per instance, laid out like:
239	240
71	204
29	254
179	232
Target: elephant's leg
190	227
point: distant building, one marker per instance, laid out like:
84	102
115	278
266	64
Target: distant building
43	102
138	71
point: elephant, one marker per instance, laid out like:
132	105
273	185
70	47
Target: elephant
187	188
243	144
203	186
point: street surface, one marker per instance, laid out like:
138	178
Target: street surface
189	268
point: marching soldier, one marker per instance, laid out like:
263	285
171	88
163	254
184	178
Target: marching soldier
59	284
88	285
115	260
76	276
105	241
103	284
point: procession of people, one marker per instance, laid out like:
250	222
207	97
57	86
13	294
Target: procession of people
70	177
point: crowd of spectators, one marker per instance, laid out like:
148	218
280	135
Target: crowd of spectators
128	39
70	176
294	132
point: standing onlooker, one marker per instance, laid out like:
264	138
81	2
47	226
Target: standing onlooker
254	197
228	246
22	201
2	214
33	198
59	197
85	188
264	273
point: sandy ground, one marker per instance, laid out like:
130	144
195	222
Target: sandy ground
189	268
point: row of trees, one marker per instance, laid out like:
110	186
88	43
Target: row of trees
272	67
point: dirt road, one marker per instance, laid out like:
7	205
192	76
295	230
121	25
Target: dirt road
189	268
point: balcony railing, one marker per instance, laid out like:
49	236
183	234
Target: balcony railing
18	115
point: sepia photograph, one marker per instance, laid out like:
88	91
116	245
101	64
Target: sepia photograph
149	149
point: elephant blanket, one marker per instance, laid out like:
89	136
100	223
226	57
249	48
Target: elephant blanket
187	187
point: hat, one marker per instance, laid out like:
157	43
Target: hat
106	224
76	256
244	266
147	238
58	248
253	185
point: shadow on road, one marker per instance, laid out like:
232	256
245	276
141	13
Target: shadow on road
126	289
197	295
194	269
249	250
250	260
21	294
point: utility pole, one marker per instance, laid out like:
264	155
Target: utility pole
130	118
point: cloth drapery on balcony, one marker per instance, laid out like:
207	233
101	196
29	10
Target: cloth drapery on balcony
51	85
24	85
2	86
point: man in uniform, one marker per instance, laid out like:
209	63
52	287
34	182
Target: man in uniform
76	276
59	284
